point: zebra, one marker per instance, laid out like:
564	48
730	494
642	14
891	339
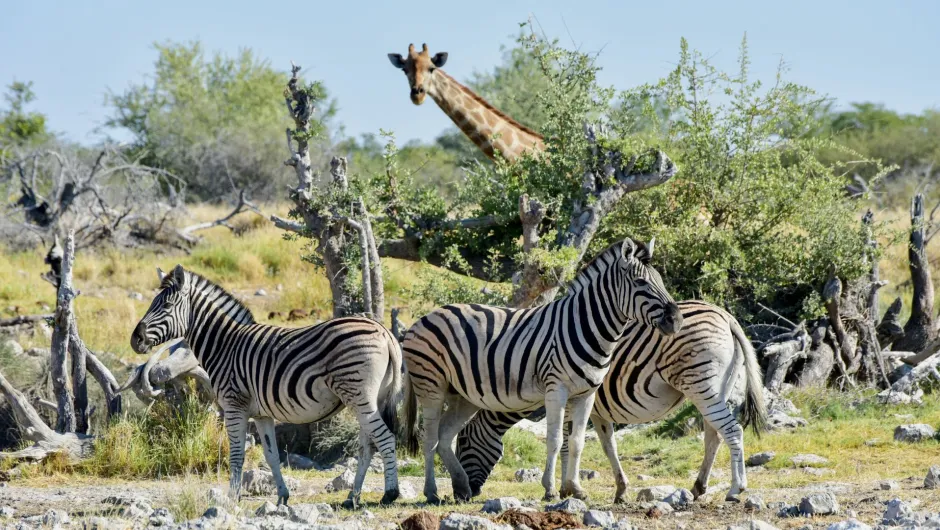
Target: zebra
292	375
709	361
475	357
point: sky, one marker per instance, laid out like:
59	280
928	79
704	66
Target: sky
74	52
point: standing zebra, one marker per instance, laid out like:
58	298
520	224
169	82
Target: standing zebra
269	373
474	357
709	361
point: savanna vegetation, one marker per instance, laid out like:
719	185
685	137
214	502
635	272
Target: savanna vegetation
763	217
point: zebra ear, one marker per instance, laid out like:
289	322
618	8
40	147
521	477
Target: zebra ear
627	249
179	275
649	247
160	274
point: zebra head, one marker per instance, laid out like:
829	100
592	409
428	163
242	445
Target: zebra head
646	298
168	316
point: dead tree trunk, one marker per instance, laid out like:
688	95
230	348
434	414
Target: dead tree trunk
60	341
919	329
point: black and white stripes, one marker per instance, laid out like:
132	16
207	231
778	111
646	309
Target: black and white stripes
270	373
709	361
475	357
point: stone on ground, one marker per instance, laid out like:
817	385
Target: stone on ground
914	432
343	482
932	480
161	517
304	513
260	482
888	485
301	462
754	524
528	475
760	459
407	490
7	512
654	493
501	504
599	518
820	503
679	499
460	521
804	459
895	510
851	524
569	505
753	504
589	474
55	518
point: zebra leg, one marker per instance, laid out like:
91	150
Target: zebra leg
712	441
719	417
581	408
236	425
365	458
431	410
555	400
605	433
565	435
377	432
459	412
269	443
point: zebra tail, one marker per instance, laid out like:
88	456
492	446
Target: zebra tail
409	436
754	412
389	410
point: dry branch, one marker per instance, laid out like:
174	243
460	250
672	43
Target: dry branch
919	329
60	341
180	364
243	205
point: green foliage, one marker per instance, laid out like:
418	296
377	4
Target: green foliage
19	126
217	122
436	288
755	214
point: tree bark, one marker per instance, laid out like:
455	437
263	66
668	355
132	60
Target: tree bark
919	329
531	280
60	341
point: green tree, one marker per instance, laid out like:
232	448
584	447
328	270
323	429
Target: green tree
757	212
215	121
18	126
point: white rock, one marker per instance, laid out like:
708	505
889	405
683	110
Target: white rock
654	493
407	490
760	459
851	524
266	509
895	510
589	474
301	462
803	459
570	505
644	478
135	296
161	517
823	503
343	482
914	432
599	518
7	512
888	485
261	292
55	518
261	482
501	504
459	521
754	524
932	480
304	513
528	475
679	499
754	503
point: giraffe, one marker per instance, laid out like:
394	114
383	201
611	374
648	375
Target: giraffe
487	127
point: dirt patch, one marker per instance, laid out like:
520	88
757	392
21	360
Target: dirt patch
421	521
539	520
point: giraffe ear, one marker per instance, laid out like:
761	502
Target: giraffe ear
396	60
439	59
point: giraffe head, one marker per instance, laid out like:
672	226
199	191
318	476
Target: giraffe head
419	67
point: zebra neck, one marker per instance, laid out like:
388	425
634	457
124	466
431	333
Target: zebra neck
598	316
215	322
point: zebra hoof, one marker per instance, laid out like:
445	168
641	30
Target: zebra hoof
550	496
350	504
434	500
282	499
577	493
389	497
698	490
620	498
732	498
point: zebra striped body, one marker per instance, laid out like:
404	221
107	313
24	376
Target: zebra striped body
292	375
475	357
709	361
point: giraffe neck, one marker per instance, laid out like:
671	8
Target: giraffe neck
484	124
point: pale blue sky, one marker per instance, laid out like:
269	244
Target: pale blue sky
861	50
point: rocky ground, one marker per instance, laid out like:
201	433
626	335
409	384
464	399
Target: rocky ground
44	501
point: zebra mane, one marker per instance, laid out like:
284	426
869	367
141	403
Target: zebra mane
600	262
216	293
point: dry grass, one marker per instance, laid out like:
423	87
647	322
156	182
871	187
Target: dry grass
257	258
